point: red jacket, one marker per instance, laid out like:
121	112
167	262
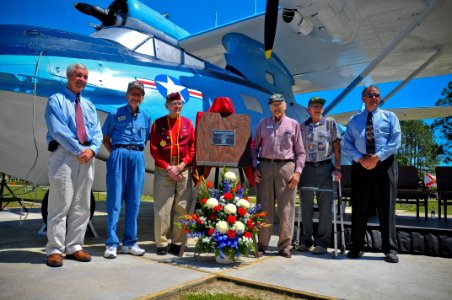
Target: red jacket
161	141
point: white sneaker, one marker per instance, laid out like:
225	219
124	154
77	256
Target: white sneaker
134	250
110	252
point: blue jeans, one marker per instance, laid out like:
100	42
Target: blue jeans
125	180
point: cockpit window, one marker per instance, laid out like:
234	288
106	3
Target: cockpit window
147	45
126	37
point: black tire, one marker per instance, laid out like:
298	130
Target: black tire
45	204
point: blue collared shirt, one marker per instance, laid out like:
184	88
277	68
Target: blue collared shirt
126	128
387	133
60	120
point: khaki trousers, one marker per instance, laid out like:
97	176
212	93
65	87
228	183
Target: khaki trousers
273	189
171	201
69	201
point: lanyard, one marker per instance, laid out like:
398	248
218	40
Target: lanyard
177	138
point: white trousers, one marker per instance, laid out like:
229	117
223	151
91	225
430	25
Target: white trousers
69	201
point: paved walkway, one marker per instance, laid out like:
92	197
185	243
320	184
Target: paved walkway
24	275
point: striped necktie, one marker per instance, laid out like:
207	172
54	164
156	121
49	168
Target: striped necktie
79	123
370	137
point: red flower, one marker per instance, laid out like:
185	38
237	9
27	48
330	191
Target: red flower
250	224
231	234
247	234
227	196
199	221
231	219
234	189
241	211
209	184
246	198
212	216
210	231
204	200
238	186
195	216
217	208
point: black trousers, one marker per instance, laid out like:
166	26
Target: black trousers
372	189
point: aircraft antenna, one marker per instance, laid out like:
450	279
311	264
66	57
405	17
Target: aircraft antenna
216	18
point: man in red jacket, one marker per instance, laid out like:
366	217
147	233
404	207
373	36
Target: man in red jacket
173	149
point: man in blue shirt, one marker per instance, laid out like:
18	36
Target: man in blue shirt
371	140
74	137
126	131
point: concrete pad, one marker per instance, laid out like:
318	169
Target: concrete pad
24	275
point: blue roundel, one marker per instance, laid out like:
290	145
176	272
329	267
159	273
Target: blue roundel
166	85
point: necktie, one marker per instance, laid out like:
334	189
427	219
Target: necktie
79	123
370	137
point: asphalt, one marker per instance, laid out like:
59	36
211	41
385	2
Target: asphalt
24	275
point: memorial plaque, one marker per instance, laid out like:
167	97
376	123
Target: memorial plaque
223	140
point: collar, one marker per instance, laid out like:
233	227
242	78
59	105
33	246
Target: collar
276	122
373	113
321	122
71	95
129	110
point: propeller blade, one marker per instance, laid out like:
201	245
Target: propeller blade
271	20
97	12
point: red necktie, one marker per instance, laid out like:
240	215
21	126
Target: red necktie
79	123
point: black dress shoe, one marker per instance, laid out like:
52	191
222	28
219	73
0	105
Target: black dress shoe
285	253
174	249
162	250
354	254
391	257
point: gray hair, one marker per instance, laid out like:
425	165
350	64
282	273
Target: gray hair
71	68
368	87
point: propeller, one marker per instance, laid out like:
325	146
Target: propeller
106	16
271	20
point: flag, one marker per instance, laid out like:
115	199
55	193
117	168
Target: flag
430	180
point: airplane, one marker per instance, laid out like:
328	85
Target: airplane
318	45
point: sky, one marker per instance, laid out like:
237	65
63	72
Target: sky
198	15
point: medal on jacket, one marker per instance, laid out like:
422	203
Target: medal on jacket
163	143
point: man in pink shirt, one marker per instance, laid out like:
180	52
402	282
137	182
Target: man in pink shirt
278	146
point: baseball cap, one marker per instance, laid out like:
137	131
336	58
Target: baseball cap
276	97
135	85
173	96
316	100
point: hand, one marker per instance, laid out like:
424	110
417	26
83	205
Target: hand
293	180
338	174
257	176
174	173
369	162
86	156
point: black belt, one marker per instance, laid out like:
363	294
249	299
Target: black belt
129	147
274	160
318	163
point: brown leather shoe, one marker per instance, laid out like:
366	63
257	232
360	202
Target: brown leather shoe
285	253
54	260
80	255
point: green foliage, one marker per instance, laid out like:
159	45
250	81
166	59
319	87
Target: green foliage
418	146
443	126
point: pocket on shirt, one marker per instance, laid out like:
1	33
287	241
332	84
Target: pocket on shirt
286	141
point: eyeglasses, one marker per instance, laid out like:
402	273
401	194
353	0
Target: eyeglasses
176	103
371	95
138	95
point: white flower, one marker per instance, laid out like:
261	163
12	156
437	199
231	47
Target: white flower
230	176
230	209
243	203
211	203
206	240
203	219
239	226
222	226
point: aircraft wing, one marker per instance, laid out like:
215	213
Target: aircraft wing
345	37
404	114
